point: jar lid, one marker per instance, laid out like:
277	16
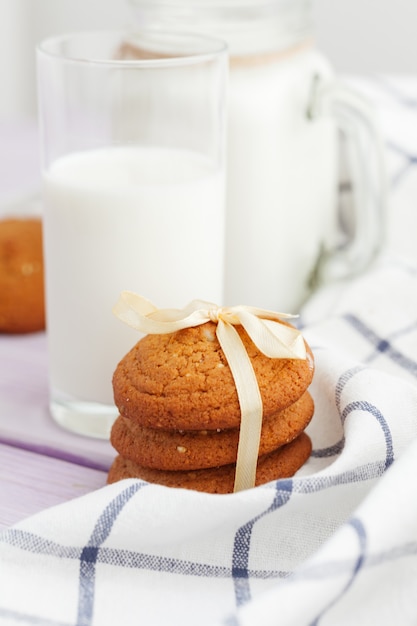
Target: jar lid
248	26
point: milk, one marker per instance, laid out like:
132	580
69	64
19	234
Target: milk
281	180
149	220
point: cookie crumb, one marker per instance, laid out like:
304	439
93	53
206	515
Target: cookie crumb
209	334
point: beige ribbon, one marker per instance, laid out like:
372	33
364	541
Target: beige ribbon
273	339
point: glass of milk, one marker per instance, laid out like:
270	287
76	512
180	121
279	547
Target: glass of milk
132	134
288	116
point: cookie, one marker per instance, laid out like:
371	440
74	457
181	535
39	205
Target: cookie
181	381
282	463
182	450
22	303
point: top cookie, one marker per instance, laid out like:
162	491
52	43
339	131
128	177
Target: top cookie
182	381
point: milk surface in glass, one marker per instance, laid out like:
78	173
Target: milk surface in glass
148	220
281	179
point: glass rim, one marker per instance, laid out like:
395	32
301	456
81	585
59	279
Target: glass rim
211	48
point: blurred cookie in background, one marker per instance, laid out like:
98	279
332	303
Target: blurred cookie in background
22	297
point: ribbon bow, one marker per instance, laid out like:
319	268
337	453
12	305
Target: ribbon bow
273	339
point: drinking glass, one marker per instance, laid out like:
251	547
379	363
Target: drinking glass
132	137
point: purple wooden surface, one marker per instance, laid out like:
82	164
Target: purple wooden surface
41	464
25	421
19	159
31	482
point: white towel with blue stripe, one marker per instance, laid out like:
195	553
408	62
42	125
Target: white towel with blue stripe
335	545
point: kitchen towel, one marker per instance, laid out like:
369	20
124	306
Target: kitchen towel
335	544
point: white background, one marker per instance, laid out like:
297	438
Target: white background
358	36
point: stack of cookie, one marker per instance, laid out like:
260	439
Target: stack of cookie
180	415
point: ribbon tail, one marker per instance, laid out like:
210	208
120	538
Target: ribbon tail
274	339
141	314
130	308
250	401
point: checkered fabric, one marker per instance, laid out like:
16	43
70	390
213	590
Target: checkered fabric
334	545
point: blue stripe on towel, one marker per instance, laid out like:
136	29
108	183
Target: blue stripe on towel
375	412
382	345
89	554
334	450
361	535
337	447
242	542
11	617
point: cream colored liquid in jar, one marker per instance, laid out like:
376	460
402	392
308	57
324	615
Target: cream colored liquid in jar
281	180
148	220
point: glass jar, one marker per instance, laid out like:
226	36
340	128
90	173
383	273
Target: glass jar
286	112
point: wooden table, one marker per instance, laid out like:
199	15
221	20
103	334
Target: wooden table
41	464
